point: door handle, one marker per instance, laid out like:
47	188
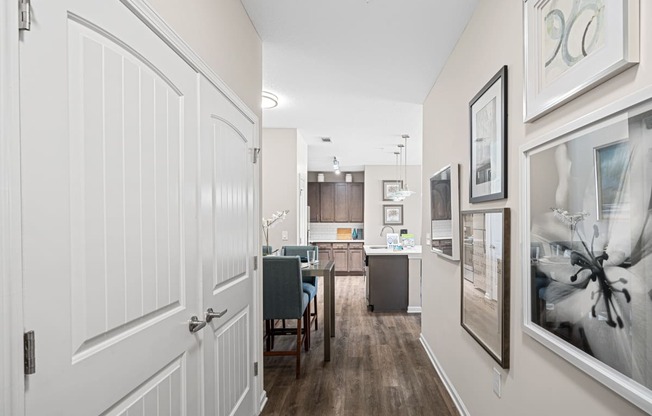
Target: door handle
195	324
210	314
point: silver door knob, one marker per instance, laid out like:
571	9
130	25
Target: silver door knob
210	314
195	324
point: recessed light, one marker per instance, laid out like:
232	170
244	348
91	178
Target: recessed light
326	139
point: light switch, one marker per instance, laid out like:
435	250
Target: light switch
496	382
284	235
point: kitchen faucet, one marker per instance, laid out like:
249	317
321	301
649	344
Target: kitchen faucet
383	229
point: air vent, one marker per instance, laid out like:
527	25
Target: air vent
326	139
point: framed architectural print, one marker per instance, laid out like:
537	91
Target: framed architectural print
587	252
392	214
488	142
485	280
390	188
572	46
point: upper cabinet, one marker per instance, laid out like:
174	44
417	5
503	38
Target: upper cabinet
336	201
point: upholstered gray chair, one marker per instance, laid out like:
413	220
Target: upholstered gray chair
309	283
267	250
284	298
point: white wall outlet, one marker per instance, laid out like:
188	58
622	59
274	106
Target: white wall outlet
496	382
284	235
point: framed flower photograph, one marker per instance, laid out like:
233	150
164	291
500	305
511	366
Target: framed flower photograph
587	244
488	141
392	214
390	188
572	46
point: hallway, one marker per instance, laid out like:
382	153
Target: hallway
378	366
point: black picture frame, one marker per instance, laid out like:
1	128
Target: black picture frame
488	141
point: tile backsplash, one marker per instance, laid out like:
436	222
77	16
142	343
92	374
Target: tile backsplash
328	230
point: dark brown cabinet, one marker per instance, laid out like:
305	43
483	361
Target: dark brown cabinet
341	257
356	258
325	252
313	201
327	202
336	202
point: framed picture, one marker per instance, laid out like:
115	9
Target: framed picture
571	46
390	187
610	162
485	280
587	230
488	118
392	214
444	212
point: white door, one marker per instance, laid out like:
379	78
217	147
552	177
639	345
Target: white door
227	239
109	188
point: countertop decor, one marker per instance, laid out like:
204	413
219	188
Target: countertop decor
276	217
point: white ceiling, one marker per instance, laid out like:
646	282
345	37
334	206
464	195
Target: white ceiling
356	71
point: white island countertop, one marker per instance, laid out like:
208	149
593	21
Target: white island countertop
412	253
321	240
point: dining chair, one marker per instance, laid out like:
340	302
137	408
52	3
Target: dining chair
309	282
284	298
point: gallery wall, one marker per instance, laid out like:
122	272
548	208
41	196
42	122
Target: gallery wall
538	382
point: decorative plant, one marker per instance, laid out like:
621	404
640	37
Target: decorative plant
587	260
276	217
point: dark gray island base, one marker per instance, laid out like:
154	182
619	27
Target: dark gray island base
387	282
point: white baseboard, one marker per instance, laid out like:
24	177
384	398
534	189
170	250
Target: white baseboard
262	402
442	374
414	309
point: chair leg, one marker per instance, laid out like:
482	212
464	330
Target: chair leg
316	315
268	332
299	347
306	328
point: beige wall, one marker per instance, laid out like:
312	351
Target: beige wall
539	382
222	34
373	202
284	158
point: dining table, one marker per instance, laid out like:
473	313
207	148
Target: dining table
325	269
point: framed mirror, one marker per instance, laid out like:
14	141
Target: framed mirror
444	212
485	280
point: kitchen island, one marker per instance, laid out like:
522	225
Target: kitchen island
393	278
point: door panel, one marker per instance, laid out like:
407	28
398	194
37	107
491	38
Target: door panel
227	235
109	188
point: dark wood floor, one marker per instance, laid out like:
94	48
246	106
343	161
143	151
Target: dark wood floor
378	366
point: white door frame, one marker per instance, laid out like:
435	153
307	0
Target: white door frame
12	392
11	292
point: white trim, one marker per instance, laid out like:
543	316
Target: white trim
12	389
444	378
414	309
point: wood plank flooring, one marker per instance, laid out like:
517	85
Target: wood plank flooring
378	366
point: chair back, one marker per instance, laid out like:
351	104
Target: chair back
283	296
267	250
300	251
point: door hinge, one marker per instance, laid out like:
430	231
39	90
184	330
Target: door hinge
29	345
256	368
24	15
256	151
255	262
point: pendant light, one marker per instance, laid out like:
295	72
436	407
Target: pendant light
394	196
403	191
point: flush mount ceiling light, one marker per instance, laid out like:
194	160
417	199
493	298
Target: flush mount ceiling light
269	100
336	165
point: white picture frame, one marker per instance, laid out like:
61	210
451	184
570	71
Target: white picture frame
569	51
588	342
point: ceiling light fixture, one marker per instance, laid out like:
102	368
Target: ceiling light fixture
336	165
403	191
269	100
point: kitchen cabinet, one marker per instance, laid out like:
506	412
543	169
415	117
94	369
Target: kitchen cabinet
341	257
356	258
387	283
313	201
348	257
355	199
327	202
336	201
325	252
